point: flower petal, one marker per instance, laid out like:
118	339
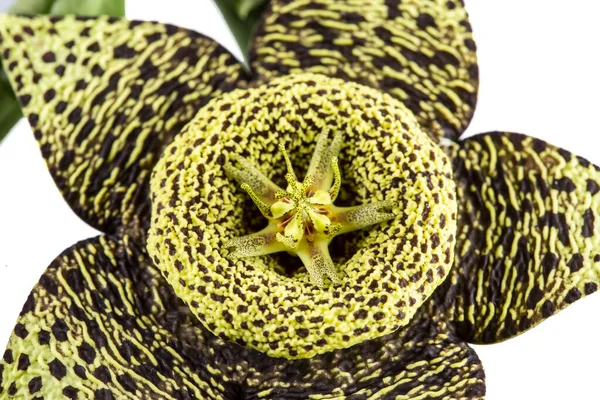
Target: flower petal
247	173
256	244
321	222
104	96
423	360
421	51
280	208
528	242
320	197
318	262
103	323
320	167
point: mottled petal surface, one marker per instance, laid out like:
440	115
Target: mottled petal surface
423	360
102	323
420	51
104	96
528	241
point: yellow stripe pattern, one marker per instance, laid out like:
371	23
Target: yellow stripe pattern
420	51
528	241
102	323
104	96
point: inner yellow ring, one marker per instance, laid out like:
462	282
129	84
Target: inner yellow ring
197	209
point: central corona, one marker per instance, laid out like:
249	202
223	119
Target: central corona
302	218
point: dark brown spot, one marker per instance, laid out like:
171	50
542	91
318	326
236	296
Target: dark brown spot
43	337
549	263
60	107
575	263
35	385
588	223
534	297
227	316
49	57
21	331
548	309
592	187
102	373
80	371
49	95
59	330
103	394
564	185
124	51
87	353
303	333
590	288
57	369
127	382
80	85
23	362
25	99
94	47
8	356
425	20
573	295
70	392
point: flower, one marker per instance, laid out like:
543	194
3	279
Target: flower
106	98
389	272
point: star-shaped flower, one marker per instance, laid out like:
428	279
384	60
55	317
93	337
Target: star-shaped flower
302	218
148	131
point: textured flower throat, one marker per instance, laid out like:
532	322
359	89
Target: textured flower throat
389	165
302	218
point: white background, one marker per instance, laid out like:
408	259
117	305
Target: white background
540	75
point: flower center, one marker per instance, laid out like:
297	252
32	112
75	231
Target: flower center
304	210
395	172
302	218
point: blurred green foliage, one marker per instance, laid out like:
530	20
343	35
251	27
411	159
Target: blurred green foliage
244	8
242	16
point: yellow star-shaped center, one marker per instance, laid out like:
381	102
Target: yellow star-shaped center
302	218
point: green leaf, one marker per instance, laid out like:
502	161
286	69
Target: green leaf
10	112
31	6
245	7
242	16
115	8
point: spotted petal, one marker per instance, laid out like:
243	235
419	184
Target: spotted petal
528	241
421	51
424	360
104	96
103	323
